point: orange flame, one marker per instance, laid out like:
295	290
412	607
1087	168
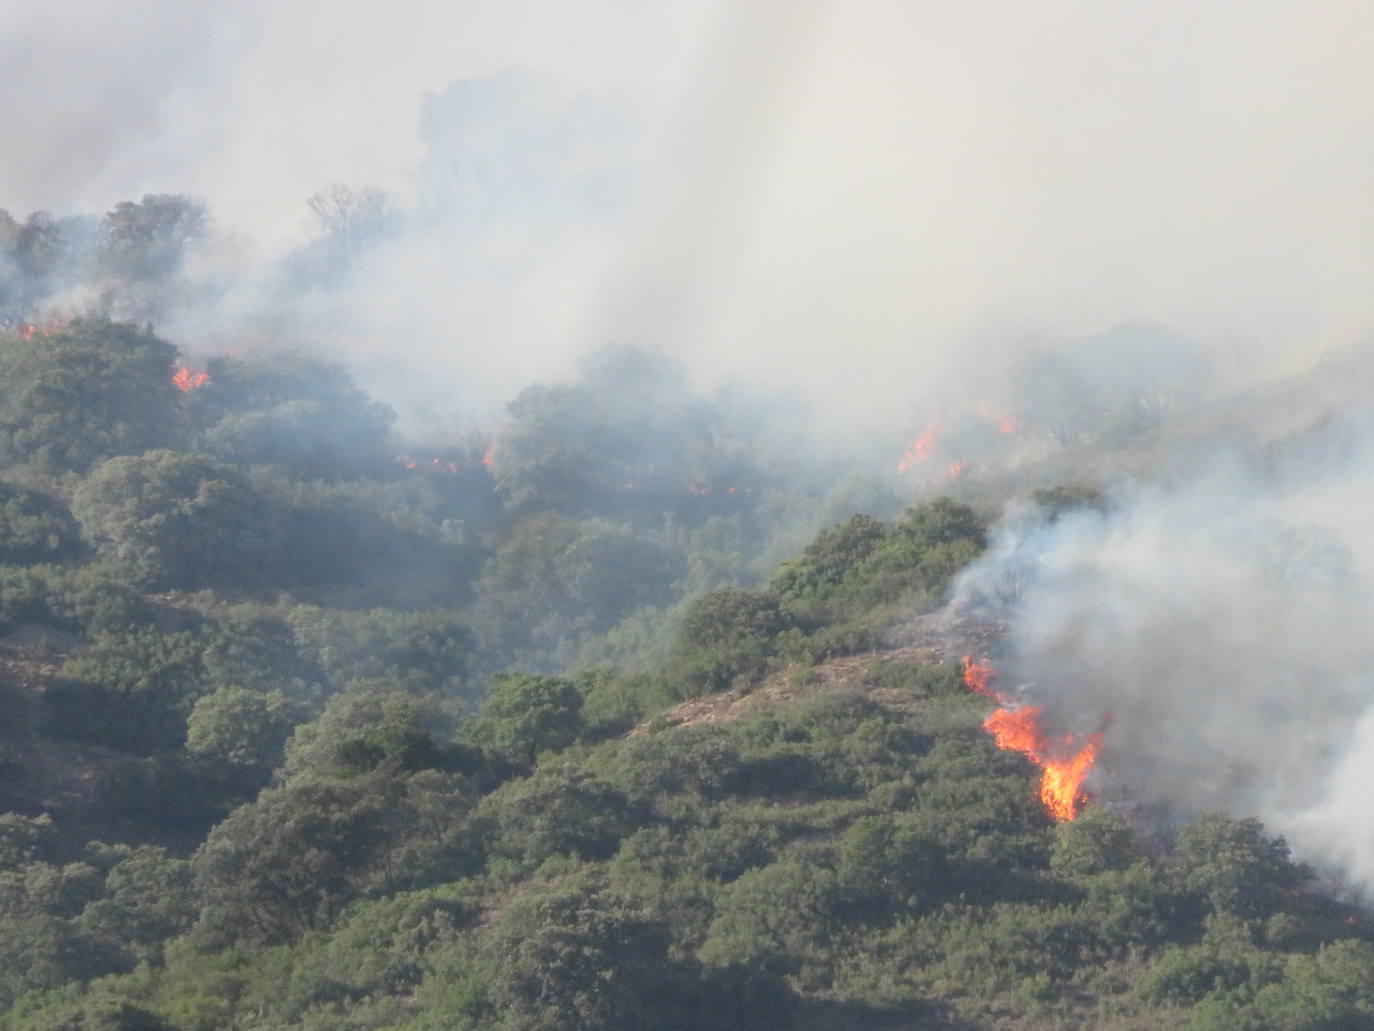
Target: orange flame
1005	421
51	326
956	468
1064	761
920	449
187	381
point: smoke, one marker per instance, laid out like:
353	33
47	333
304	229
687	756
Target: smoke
858	202
896	209
1220	622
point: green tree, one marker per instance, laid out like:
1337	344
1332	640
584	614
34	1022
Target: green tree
89	391
143	246
176	520
524	715
130	691
578	957
243	732
35	527
778	918
1096	841
558	580
560	809
1233	867
727	634
291	860
829	563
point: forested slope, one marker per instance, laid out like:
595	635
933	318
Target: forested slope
614	717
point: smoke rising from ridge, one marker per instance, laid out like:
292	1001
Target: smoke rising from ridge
1221	622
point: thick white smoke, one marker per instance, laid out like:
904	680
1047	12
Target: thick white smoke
858	200
1221	622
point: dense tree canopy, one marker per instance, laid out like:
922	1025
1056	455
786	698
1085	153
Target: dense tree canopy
176	520
91	390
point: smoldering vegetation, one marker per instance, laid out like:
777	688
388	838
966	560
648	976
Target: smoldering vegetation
1212	615
482	491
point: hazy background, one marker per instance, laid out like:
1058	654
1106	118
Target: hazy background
852	199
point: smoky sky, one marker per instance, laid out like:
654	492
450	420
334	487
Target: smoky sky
859	200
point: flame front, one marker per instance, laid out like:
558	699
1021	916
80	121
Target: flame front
920	449
187	381
1064	761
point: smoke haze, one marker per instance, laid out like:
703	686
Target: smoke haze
855	201
1218	626
880	205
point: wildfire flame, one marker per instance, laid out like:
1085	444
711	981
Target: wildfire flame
1004	420
28	330
920	449
957	468
187	381
1064	761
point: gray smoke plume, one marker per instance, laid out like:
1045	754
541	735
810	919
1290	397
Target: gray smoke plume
863	202
1218	623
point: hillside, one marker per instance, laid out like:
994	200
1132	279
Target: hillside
612	718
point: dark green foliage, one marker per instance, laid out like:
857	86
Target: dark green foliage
35	527
831	562
724	635
93	598
25	839
177	520
291	860
129	691
367	729
1234	868
96	1013
89	391
922	553
242	732
1331	991
1097	841
557	580
293	411
576	958
559	810
524	715
147	899
778	918
39	944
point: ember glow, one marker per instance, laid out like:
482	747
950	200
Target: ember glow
187	381
1064	761
1005	421
920	449
29	329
